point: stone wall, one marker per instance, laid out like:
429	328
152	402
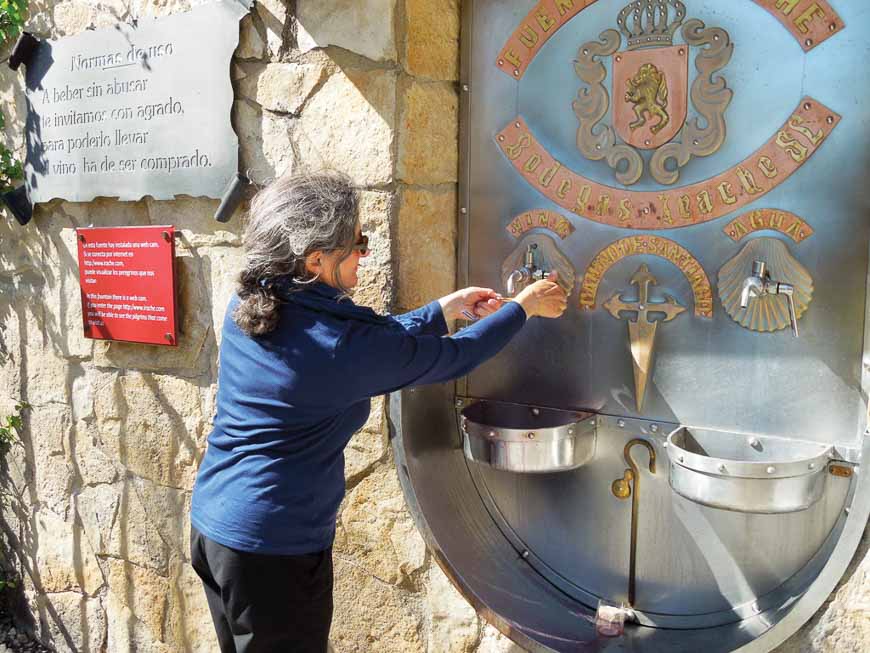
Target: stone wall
96	496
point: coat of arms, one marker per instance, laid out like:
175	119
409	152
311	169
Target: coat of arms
650	94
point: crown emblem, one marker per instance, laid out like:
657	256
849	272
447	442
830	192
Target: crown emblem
648	23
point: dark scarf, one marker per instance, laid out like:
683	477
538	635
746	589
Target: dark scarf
320	297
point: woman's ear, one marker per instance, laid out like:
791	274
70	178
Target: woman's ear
314	263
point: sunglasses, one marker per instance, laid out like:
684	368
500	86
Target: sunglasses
361	246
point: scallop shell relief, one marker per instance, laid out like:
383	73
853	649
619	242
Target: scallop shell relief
769	312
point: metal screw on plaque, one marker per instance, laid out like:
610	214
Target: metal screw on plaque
654	428
465	87
463	210
621	423
459	403
531	436
570	431
168	337
81	238
771	469
166	236
809	42
830	120
525	554
721	468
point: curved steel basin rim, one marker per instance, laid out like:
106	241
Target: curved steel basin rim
786	619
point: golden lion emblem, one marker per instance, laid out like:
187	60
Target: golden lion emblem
648	92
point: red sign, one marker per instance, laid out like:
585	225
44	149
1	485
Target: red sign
127	277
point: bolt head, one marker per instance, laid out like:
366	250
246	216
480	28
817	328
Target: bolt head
721	468
621	423
654	428
536	411
459	403
771	470
531	436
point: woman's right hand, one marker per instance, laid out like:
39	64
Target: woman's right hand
544	298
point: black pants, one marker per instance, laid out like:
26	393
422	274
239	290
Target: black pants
265	603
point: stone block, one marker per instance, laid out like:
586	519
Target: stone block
362	26
274	16
221	268
64	557
432	39
843	623
194	329
116	523
427	249
493	641
251	43
75	623
282	87
149	424
453	625
371	615
375	288
373	523
142	591
193	219
63	300
429	134
349	125
126	634
190	620
94	465
108	13
72	17
265	145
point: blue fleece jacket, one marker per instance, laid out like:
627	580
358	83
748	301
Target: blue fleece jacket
288	403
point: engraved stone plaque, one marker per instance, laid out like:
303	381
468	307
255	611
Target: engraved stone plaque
135	110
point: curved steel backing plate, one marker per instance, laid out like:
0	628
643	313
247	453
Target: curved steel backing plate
534	553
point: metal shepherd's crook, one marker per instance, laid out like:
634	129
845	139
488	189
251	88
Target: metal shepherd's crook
622	489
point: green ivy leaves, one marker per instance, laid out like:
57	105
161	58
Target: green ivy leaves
12	14
10	426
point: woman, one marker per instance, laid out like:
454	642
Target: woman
299	362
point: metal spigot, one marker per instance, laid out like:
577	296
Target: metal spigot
760	284
526	274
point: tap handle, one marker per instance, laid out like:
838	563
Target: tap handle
759	269
792	315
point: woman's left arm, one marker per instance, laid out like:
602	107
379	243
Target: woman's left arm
432	318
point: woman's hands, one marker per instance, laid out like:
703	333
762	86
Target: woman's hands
544	298
479	302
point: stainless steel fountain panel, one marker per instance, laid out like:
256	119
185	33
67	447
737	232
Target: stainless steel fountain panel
654	337
746	473
527	439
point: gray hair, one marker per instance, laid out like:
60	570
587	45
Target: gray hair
292	217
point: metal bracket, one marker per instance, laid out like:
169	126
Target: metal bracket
23	51
18	204
231	198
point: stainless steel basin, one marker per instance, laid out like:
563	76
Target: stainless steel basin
527	439
754	474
